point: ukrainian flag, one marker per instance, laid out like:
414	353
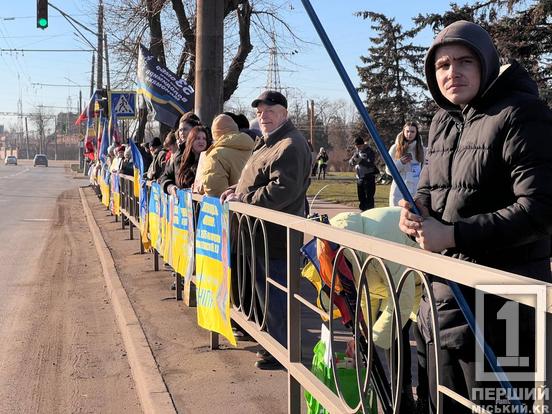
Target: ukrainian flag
116	193
138	167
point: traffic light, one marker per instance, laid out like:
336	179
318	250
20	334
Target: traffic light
42	14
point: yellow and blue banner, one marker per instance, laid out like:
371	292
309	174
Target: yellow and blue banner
105	180
154	215
213	268
183	234
162	222
167	252
116	194
143	203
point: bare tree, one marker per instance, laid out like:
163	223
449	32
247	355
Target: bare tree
170	29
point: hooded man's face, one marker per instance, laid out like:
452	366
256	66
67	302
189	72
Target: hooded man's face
458	73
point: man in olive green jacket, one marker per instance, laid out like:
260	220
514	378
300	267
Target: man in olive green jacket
276	176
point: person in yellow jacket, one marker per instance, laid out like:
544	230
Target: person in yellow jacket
224	161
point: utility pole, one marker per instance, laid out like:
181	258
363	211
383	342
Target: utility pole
92	75
209	59
107	62
99	77
27	137
80	110
81	135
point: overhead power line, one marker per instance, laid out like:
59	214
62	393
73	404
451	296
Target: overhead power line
46	50
59	85
72	21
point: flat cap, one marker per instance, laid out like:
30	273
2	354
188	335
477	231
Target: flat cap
270	98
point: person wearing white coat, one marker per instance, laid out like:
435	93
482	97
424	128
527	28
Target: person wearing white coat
408	154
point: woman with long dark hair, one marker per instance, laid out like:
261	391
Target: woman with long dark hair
199	139
408	153
168	178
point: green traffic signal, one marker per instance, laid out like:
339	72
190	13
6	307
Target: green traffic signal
42	14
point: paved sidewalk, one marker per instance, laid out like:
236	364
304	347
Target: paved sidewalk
198	380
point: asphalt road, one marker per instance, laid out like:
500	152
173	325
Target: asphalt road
60	350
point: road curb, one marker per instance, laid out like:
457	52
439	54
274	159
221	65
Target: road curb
150	387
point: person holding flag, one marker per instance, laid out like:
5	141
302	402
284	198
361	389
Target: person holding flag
140	192
485	197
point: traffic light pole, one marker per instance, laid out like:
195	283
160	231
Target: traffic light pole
99	73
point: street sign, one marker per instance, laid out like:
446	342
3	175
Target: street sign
123	104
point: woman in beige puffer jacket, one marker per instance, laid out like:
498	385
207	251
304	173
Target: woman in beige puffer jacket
224	160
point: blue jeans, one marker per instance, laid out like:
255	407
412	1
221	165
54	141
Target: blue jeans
277	300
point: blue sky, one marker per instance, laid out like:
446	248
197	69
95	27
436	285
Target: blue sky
311	73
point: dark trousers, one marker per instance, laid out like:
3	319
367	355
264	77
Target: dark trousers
277	300
366	188
422	389
322	171
458	374
458	370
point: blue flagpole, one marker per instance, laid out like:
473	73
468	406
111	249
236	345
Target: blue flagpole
464	307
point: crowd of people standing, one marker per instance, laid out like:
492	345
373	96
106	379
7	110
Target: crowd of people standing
481	187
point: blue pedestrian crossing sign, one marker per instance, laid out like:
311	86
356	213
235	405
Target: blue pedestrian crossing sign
123	104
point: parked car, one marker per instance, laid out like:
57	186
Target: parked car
10	160
40	159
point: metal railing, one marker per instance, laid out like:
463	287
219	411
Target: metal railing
251	221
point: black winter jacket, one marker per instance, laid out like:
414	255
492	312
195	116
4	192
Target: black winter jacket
489	173
169	175
157	167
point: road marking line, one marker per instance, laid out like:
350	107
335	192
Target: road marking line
38	219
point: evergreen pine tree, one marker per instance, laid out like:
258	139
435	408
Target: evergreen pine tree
392	77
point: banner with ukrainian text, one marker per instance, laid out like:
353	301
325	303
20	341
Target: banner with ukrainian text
213	268
167	95
154	215
183	235
168	234
163	222
143	210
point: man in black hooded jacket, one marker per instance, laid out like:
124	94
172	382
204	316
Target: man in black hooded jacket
485	192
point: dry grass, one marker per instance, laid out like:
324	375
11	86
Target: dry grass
341	188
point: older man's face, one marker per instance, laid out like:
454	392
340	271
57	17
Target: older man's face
270	117
458	73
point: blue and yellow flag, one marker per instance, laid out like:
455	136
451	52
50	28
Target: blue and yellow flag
104	142
140	191
168	96
116	194
213	268
138	163
105	186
